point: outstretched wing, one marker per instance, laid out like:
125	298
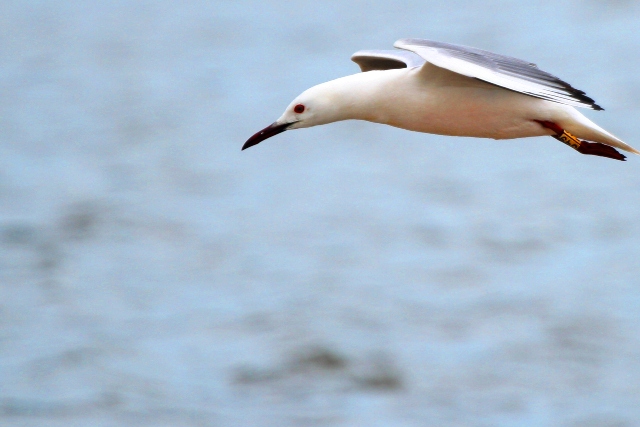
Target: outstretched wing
386	59
505	71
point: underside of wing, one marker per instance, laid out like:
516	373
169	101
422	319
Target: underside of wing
386	59
505	71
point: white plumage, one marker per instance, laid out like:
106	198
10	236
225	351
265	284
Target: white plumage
445	89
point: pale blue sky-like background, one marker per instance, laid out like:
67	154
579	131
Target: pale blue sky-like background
152	274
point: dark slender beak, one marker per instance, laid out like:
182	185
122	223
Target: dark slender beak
268	132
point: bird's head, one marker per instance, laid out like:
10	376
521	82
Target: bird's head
318	105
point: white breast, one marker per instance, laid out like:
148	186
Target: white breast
450	104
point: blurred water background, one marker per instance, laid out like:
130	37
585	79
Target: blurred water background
152	274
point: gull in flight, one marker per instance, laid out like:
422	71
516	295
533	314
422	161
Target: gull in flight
446	89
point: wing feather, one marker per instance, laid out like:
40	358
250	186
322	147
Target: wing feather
386	59
505	71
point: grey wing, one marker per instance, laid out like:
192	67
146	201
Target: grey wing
505	71
386	59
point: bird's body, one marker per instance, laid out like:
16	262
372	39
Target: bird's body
432	99
438	101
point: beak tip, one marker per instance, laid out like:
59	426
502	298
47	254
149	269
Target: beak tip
250	143
265	133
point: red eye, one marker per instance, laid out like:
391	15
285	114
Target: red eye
299	108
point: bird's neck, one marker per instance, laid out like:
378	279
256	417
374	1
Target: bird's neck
368	96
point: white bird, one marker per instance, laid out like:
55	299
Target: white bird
446	89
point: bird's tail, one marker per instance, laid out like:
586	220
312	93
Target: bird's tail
584	128
581	146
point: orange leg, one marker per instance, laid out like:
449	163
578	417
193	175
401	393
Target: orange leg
584	147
